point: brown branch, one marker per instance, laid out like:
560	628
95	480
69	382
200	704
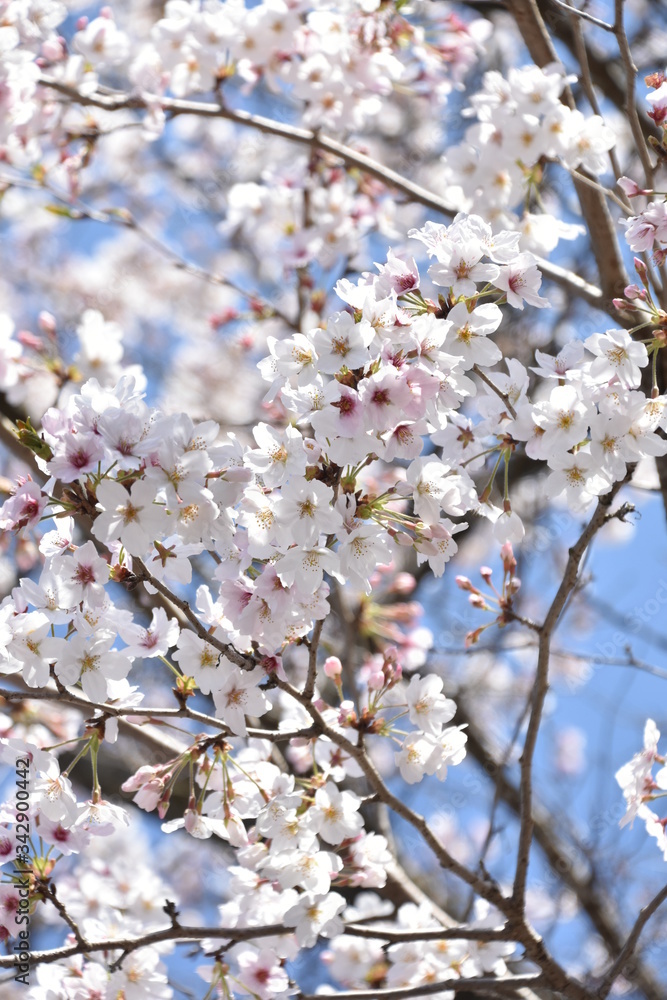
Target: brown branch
353	159
518	929
149	713
630	104
561	856
599	223
499	393
309	686
602	68
461	933
245	662
268	126
130	944
617	968
356	750
584	15
541	685
50	893
483	984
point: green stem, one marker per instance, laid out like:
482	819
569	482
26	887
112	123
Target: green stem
170	665
489	485
82	753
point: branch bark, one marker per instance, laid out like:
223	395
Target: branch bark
576	285
566	588
599	223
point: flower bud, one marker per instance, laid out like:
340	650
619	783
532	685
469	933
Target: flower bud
333	667
641	269
376	681
31	340
507	556
403	583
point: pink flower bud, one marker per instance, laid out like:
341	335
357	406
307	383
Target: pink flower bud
640	268
31	340
346	713
47	323
81	23
507	556
222	318
390	655
629	187
333	667
464	583
376	681
404	583
473	637
486	572
54	50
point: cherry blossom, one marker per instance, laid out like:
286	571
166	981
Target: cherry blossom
237	459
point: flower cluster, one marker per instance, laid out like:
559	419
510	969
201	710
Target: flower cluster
113	893
335	64
233	593
358	962
641	786
522	123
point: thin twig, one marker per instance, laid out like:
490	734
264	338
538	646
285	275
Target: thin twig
309	686
631	943
245	662
487	889
501	395
51	894
483	984
122	218
353	159
130	944
630	105
541	684
150	713
584	15
461	933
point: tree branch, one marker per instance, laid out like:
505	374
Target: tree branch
119	101
459	933
599	223
483	984
130	944
517	928
239	659
566	588
617	968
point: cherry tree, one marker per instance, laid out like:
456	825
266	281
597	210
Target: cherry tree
308	307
